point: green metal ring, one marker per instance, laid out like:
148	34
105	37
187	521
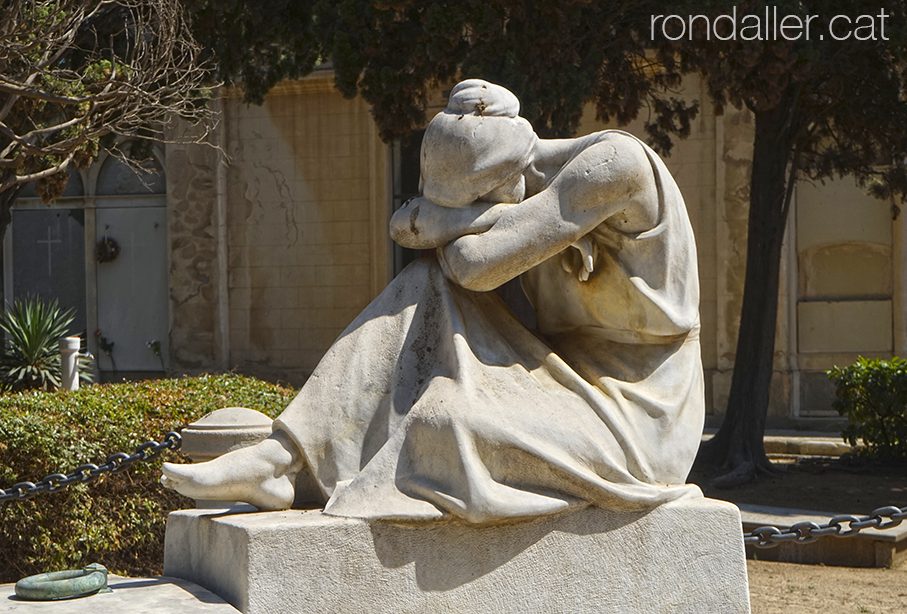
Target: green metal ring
63	584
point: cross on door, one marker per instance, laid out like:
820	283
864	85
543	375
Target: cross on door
49	241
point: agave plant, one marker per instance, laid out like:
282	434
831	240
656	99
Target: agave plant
31	352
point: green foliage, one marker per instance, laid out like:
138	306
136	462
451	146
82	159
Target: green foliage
257	43
77	75
555	55
118	521
842	101
31	353
873	396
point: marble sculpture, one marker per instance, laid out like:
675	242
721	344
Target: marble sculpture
437	403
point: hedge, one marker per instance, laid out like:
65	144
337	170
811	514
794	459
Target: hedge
119	520
873	396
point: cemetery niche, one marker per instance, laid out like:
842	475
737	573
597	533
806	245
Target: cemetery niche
100	249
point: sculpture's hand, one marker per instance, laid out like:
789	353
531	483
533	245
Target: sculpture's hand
588	252
422	224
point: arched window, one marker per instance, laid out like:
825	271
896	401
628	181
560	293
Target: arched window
116	178
101	249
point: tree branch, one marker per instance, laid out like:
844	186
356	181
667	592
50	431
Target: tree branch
74	71
18	179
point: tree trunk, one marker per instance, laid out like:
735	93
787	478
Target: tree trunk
737	450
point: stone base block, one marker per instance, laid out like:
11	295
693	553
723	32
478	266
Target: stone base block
686	556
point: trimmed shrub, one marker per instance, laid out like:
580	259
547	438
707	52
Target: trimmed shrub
119	520
873	395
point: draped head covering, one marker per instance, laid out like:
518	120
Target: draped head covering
475	145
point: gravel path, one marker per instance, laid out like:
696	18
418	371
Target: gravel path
787	588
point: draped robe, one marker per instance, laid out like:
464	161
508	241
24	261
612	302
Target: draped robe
436	402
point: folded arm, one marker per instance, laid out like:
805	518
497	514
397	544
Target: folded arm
610	177
421	224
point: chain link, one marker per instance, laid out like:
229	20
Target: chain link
762	537
806	532
83	474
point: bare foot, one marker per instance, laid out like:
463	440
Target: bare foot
262	475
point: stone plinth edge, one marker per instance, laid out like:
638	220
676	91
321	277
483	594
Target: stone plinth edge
683	557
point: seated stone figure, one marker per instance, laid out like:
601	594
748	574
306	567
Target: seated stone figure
437	403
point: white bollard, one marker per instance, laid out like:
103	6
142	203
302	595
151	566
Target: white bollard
69	350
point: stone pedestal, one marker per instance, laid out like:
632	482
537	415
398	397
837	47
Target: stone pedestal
686	556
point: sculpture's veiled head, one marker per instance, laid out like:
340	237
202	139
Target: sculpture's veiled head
476	145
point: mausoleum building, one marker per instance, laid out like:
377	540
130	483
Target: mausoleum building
257	260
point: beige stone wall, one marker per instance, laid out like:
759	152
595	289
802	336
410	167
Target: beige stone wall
844	240
846	273
192	235
840	267
296	222
305	206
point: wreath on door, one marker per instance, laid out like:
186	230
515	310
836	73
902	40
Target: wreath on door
108	250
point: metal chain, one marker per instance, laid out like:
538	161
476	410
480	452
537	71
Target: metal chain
806	532
763	537
89	472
